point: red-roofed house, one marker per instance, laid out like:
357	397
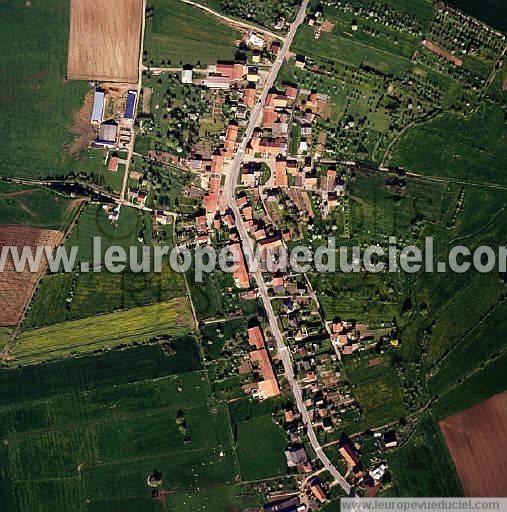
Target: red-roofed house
217	163
240	275
113	164
281	173
249	96
269	116
291	92
233	71
255	337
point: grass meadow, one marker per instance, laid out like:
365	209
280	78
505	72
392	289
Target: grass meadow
257	459
457	148
85	434
36	207
423	465
93	222
36	101
346	49
378	391
183	34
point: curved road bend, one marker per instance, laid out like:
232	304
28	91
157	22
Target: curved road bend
247	244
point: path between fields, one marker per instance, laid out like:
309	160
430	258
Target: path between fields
234	22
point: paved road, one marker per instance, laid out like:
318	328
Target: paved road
247	244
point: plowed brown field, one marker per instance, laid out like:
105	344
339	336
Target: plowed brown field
477	440
16	289
104	40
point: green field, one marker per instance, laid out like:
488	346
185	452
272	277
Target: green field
363	296
97	293
35	206
488	380
94	428
423	466
182	34
90	373
94	223
5	335
68	296
260	12
94	334
444	315
345	49
258	459
455	148
36	101
378	392
379	209
50	303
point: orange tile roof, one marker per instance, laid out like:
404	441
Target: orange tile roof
231	133
291	92
249	96
247	213
281	173
210	202
269	116
229	147
225	69
255	337
269	386
214	184
217	163
239	71
113	163
432	47
318	492
241	273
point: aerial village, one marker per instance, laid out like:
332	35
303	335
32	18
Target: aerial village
282	185
279	189
286	179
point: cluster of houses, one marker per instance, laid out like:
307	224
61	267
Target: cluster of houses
349	337
370	478
315	493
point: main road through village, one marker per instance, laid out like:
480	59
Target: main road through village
231	181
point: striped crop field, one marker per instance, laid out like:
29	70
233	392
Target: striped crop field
98	333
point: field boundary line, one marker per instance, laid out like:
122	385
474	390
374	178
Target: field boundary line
155	412
234	22
7	350
90	391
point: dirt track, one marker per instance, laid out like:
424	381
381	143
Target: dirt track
16	288
104	40
477	440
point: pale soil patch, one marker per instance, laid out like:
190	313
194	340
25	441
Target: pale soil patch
104	40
